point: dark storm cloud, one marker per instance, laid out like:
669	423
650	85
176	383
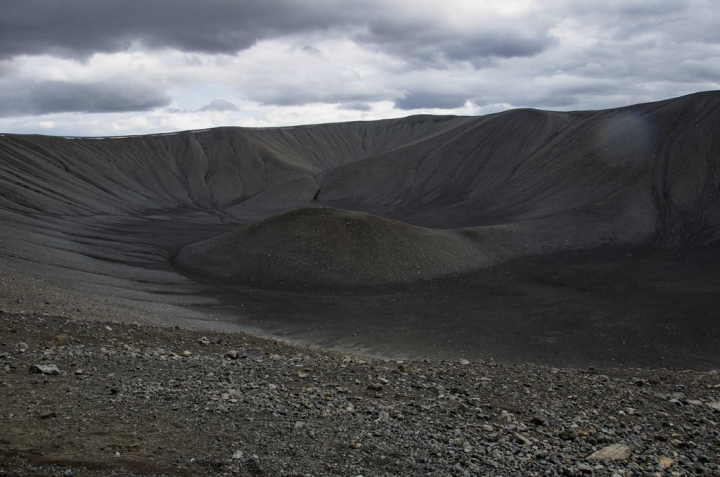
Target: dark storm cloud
83	27
63	97
80	28
219	105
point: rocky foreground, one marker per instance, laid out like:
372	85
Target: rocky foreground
89	398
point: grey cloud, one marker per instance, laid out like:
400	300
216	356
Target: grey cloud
219	105
430	101
355	106
311	50
82	27
698	71
5	69
288	94
551	101
636	10
61	97
434	47
681	20
645	8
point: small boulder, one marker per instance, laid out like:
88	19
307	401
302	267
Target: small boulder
612	452
48	369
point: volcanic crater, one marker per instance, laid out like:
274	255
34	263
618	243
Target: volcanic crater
565	238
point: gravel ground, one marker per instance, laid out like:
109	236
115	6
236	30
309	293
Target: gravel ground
139	400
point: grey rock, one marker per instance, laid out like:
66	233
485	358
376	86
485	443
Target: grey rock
612	453
252	353
47	369
539	421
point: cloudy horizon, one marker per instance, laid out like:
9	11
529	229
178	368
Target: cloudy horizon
105	67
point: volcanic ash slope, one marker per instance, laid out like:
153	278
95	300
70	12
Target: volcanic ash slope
324	246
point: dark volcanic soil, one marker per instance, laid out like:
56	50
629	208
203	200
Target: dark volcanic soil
589	310
141	400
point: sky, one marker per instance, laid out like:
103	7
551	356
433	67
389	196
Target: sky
123	67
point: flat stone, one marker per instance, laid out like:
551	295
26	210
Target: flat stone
49	369
253	353
612	452
666	462
714	405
